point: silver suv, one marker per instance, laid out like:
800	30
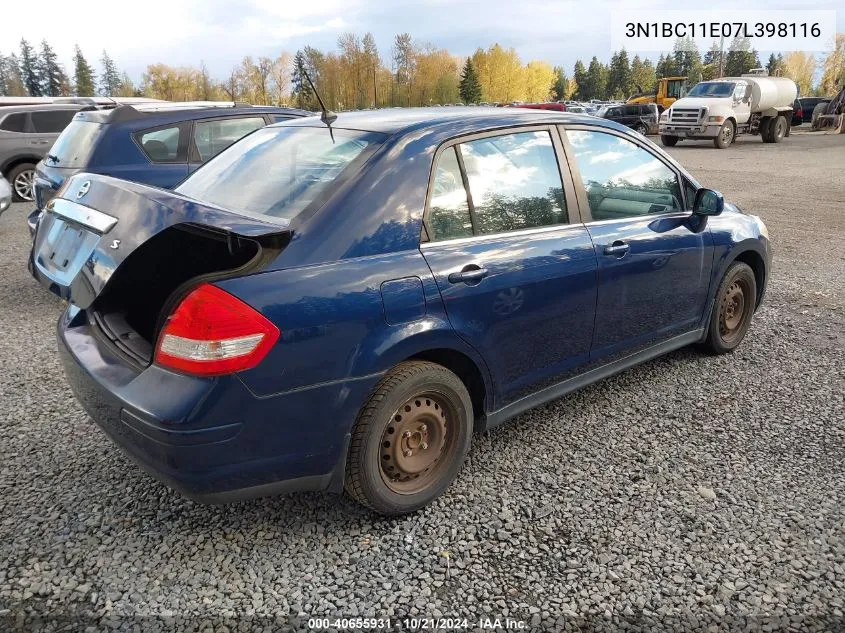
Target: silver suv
27	133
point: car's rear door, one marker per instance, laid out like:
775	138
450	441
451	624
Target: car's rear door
514	264
211	136
654	256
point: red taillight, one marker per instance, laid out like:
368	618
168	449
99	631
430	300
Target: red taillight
212	333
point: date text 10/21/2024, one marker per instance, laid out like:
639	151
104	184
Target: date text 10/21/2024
417	624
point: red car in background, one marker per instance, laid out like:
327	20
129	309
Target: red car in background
558	107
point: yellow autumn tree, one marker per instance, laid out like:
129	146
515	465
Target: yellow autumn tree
833	69
800	67
539	77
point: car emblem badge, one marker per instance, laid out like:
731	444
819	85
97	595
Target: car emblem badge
83	189
115	244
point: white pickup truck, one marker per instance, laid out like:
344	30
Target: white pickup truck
724	108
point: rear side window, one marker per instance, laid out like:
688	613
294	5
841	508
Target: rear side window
212	137
75	144
51	121
161	145
514	182
280	171
622	179
449	216
14	122
281	117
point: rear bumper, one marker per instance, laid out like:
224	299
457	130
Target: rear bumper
211	439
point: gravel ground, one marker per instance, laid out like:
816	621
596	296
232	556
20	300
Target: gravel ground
692	492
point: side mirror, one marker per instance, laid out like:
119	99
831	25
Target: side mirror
708	202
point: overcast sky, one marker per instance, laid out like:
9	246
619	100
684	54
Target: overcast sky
221	32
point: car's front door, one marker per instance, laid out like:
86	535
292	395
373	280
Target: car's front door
514	264
654	255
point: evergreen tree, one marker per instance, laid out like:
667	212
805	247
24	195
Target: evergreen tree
10	69
302	92
666	67
30	71
642	75
470	87
580	75
83	75
110	80
596	80
713	61
775	66
688	60
52	75
740	58
560	84
619	83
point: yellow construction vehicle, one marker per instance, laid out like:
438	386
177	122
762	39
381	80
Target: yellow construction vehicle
669	90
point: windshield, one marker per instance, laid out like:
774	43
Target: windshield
713	89
74	146
277	171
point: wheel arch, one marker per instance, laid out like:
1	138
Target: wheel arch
758	265
18	160
465	368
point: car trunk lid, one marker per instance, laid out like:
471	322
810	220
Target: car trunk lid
126	252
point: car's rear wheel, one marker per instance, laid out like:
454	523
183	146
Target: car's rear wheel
778	129
726	135
410	439
733	308
669	141
642	129
22	179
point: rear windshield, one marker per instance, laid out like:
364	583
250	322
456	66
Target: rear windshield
279	171
74	146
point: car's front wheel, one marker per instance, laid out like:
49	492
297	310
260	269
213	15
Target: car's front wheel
410	439
733	308
669	141
726	136
22	179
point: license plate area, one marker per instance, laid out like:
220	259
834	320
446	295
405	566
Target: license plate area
62	249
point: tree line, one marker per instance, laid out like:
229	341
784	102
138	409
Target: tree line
356	75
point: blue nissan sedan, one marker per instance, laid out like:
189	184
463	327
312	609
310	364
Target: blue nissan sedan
341	307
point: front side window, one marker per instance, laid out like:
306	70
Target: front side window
51	121
622	179
212	137
449	216
514	182
162	145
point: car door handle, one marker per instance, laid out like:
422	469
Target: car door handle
617	249
469	275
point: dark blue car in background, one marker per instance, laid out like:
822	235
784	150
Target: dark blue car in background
156	144
329	309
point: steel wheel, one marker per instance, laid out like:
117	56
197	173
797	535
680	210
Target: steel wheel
23	183
725	137
413	443
734	310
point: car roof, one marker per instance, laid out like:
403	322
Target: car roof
396	120
185	111
9	109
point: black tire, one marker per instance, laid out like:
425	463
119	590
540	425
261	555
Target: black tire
726	136
779	128
642	129
16	177
373	478
766	129
669	141
819	110
727	328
